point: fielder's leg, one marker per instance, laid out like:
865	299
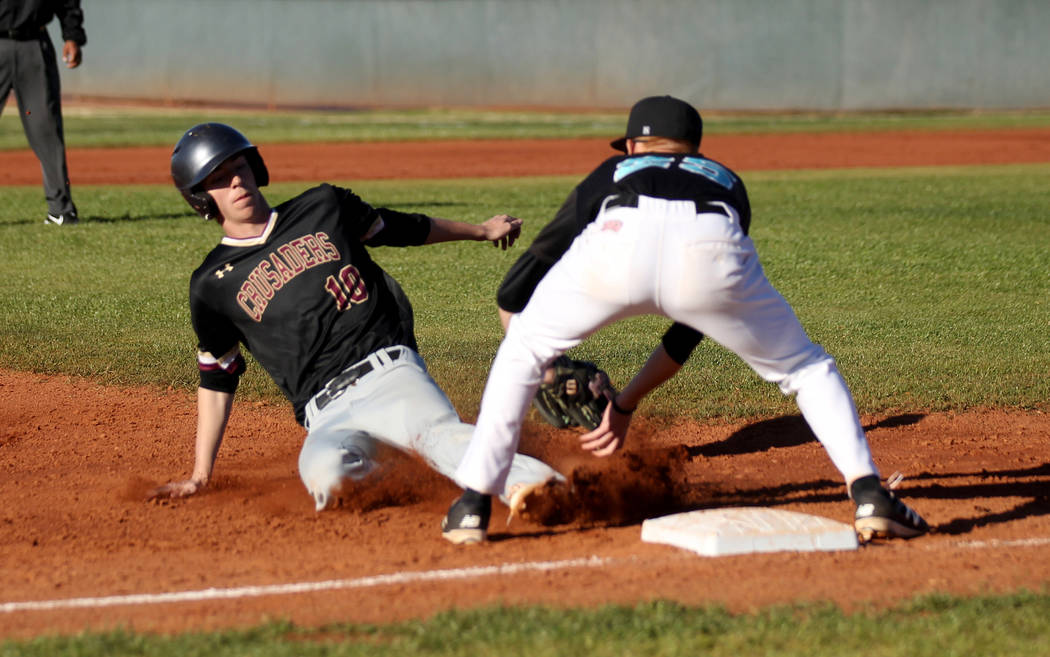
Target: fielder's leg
606	275
579	295
535	337
742	311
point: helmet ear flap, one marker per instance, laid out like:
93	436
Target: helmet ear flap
259	170
202	203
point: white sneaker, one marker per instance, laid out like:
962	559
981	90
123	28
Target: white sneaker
62	219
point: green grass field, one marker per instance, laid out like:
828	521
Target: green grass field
933	626
928	285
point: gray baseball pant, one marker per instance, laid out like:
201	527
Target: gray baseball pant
31	69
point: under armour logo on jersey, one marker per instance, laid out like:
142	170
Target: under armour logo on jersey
222	272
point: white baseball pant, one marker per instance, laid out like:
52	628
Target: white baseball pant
662	258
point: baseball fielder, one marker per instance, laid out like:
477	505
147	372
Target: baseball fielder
660	230
296	286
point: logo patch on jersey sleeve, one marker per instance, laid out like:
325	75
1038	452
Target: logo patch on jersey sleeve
231	362
709	169
635	164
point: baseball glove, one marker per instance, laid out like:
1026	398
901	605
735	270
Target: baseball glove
576	397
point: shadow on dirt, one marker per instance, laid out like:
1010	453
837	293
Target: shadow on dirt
786	431
1031	483
650	483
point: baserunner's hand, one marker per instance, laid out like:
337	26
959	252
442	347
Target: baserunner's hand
175	489
502	230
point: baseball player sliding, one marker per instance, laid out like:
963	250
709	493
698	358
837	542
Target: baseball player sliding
660	230
296	286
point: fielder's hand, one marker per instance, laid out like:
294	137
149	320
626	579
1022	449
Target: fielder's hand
502	230
176	489
609	436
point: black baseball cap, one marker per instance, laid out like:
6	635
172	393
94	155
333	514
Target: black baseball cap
662	116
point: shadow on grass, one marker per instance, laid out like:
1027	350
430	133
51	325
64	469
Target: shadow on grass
91	219
407	207
129	217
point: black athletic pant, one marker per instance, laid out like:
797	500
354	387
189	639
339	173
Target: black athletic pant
31	69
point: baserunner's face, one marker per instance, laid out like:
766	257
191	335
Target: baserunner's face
232	186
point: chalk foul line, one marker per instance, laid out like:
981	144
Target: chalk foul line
302	587
392	578
1000	543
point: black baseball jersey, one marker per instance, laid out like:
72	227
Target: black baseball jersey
305	297
27	16
617	180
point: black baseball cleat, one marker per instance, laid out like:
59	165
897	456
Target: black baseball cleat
467	520
881	514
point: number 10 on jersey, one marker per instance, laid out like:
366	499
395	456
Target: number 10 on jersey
347	288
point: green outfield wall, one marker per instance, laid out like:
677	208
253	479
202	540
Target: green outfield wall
720	54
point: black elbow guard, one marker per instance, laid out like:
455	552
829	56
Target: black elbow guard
679	341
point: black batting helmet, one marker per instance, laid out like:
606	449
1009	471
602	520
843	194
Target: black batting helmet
200	151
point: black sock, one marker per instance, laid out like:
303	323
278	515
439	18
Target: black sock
473	497
861	490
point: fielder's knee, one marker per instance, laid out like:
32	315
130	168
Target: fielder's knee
796	379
